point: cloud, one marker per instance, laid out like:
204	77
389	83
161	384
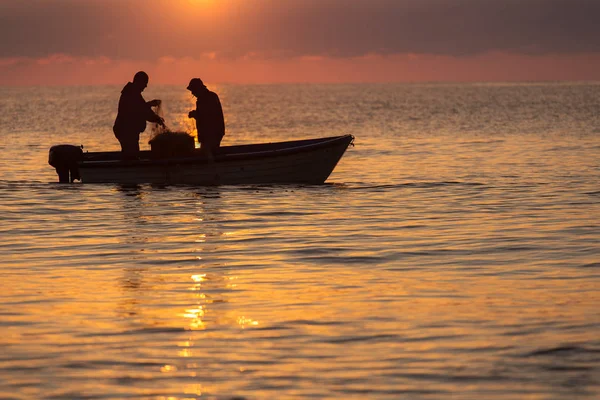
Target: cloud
281	29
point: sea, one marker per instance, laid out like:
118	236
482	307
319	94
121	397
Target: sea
454	252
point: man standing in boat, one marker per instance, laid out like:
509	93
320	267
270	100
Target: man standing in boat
133	113
208	114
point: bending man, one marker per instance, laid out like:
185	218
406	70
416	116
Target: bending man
133	113
208	114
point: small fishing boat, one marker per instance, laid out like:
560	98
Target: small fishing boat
308	161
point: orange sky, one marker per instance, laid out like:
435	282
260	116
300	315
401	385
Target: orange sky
68	70
76	42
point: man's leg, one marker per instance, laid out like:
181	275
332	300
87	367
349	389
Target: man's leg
130	146
210	146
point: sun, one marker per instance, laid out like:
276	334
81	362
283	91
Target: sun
206	8
202	2
206	4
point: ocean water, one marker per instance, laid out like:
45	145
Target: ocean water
453	253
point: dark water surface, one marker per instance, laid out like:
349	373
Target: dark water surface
453	253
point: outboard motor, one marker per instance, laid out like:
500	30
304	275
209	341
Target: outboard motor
65	158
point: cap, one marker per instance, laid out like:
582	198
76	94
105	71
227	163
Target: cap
196	83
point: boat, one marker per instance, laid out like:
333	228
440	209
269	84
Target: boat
308	161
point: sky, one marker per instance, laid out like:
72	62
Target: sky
66	42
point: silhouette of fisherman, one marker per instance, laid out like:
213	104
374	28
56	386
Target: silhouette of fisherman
133	113
208	114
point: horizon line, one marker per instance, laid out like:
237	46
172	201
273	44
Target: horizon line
432	82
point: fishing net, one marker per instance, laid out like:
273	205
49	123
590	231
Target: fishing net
156	129
165	143
172	144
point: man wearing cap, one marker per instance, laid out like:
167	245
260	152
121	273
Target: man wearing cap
208	114
133	113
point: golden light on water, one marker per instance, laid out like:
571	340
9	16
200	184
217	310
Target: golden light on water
213	294
244	322
168	368
196	314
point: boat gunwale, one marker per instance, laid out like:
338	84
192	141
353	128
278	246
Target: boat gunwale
223	158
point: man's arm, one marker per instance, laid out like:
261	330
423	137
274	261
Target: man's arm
151	116
154	103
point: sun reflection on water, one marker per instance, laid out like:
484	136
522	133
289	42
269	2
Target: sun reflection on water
244	322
